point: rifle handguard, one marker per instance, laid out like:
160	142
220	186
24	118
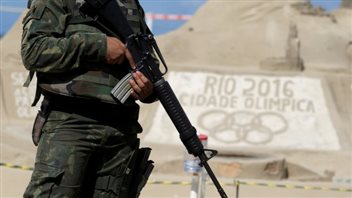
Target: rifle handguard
172	106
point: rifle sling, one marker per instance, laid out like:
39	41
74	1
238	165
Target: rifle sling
111	13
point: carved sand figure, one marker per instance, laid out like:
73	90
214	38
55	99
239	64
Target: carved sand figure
217	58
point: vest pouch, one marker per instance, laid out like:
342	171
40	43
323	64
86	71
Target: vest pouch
80	83
143	168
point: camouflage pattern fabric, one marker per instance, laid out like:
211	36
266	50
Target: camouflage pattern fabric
87	143
51	46
79	157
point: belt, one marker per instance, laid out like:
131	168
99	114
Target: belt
95	109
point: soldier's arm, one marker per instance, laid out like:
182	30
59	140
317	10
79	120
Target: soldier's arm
46	48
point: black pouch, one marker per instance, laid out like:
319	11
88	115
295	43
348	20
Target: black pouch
143	168
131	177
40	120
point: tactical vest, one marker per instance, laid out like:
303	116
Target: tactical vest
93	83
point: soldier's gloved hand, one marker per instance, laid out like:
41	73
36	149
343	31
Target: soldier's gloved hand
141	85
117	52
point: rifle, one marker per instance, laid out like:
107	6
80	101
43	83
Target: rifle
107	14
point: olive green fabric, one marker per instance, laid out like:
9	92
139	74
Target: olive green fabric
80	157
88	139
51	46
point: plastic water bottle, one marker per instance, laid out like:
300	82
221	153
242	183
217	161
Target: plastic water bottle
191	164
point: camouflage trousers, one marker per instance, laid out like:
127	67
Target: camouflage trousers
78	156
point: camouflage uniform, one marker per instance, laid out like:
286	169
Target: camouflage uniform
89	141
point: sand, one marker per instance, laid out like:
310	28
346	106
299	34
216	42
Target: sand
235	39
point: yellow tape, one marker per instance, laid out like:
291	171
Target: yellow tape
182	183
272	185
290	186
16	166
235	183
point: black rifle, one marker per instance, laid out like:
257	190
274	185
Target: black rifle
108	15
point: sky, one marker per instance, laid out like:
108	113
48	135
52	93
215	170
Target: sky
10	11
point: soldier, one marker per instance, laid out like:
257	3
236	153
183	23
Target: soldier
87	141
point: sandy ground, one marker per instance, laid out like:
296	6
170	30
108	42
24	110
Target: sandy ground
238	48
176	183
14	181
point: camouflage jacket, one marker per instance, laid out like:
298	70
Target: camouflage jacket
69	58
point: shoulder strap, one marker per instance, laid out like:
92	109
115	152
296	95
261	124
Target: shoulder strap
141	15
79	20
29	3
110	11
75	16
29	79
38	89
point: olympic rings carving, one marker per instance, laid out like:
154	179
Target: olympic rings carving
243	126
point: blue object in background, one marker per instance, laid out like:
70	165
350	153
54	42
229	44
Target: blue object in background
185	7
327	4
10	10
